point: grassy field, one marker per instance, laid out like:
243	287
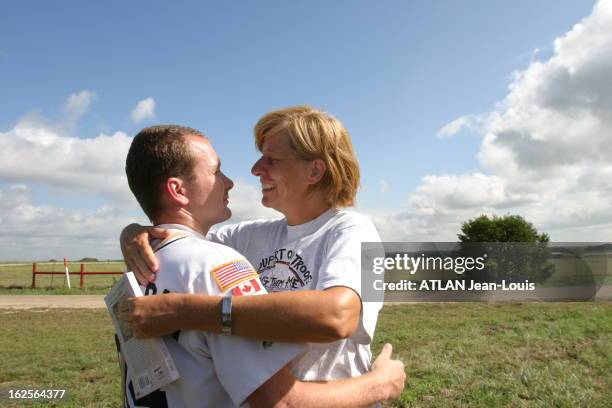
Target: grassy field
67	349
457	355
16	278
500	354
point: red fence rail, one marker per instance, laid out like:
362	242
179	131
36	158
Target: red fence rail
82	274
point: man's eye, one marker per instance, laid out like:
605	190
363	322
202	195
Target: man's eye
273	161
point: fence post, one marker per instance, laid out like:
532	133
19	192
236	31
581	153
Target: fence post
33	275
67	272
82	270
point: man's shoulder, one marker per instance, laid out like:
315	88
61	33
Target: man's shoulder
190	248
189	252
194	263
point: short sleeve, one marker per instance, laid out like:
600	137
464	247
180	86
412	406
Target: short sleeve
342	267
342	263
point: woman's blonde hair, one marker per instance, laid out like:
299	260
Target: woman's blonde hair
314	134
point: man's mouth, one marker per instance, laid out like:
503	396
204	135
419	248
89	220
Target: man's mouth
267	187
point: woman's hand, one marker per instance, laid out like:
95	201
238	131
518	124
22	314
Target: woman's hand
137	252
153	316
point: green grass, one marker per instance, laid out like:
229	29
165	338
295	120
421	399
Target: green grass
457	355
500	354
16	278
60	349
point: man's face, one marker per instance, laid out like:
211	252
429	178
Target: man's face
282	175
207	188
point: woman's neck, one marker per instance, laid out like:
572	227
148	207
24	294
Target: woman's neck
311	209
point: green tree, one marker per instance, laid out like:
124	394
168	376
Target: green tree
509	228
523	255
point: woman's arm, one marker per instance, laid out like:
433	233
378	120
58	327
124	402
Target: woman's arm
303	316
137	253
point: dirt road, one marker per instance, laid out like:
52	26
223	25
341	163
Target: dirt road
52	302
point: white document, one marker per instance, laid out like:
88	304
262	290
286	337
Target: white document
150	365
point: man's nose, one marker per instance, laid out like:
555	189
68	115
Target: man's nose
229	184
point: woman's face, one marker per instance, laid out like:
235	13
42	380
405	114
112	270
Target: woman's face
283	176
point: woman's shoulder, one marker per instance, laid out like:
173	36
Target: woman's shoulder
349	218
247	227
351	223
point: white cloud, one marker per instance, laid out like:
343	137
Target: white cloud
78	104
144	110
545	151
245	203
469	122
555	124
34	152
29	231
445	193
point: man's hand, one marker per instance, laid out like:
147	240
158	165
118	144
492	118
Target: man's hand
391	372
137	252
384	382
153	316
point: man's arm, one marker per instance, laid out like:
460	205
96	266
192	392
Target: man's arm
304	316
384	382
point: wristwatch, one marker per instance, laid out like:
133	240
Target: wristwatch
226	315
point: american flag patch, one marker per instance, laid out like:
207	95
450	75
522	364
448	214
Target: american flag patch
232	273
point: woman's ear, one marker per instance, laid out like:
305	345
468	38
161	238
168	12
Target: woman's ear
317	171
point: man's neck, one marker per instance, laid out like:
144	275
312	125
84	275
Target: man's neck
182	219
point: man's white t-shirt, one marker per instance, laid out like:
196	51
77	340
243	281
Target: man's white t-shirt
215	370
317	255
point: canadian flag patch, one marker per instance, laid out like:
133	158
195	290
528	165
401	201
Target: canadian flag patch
247	288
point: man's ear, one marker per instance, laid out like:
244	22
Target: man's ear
317	171
175	191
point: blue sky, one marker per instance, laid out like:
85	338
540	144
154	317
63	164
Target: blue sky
395	73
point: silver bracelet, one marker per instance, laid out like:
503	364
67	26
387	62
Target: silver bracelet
226	315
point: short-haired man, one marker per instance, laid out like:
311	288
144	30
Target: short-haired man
176	177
